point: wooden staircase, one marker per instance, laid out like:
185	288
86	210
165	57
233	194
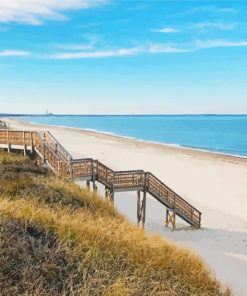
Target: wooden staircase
61	162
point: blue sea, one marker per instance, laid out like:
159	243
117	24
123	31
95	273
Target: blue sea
218	133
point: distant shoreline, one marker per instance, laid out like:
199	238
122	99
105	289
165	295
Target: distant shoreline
173	147
104	115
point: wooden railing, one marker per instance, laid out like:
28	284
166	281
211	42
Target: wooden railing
60	161
172	200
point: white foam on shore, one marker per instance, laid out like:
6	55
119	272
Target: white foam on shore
173	145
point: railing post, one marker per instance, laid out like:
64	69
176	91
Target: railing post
146	181
95	173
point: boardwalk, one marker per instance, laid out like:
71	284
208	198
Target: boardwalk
61	162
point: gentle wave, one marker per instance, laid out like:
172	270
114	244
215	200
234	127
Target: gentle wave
218	134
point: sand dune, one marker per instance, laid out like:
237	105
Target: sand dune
214	183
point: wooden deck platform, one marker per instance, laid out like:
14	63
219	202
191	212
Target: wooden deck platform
91	170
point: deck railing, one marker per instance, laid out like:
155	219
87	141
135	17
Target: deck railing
60	160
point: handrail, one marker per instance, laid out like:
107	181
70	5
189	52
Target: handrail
51	140
60	160
168	188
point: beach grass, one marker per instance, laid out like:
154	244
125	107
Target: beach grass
59	239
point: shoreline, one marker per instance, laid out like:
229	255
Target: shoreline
166	146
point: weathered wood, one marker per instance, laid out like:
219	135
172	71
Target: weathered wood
141	208
170	218
24	143
88	185
109	194
8	142
95	188
60	161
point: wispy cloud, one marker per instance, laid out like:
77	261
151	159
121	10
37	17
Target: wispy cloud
202	26
91	42
166	30
230	10
36	11
13	53
122	52
200	44
153	48
75	46
209	9
164	48
215	25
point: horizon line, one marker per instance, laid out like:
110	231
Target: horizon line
144	114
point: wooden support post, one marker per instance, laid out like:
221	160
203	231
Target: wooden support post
95	188
24	144
112	196
138	206
141	208
109	194
144	208
88	185
8	142
167	213
31	142
171	218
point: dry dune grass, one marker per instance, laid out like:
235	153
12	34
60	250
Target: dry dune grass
58	239
6	158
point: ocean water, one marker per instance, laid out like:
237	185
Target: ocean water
218	133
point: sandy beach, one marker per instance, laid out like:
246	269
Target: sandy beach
214	183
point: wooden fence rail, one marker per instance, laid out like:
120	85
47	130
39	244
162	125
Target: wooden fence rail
62	163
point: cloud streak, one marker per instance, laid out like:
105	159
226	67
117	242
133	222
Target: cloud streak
34	12
164	48
166	30
215	25
201	44
123	52
154	48
13	53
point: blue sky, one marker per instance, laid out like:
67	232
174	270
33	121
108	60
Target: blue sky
117	57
